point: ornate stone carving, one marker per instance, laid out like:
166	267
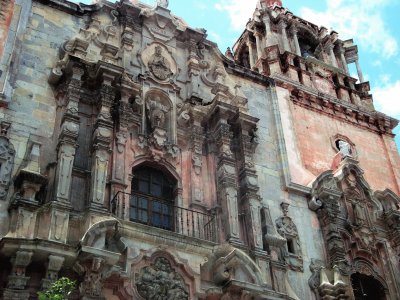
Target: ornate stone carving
287	229
120	140
7	154
160	282
92	283
156	112
17	279
159	65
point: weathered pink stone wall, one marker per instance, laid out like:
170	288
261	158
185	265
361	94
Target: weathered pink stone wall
377	154
6	13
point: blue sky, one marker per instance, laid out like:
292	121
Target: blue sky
373	24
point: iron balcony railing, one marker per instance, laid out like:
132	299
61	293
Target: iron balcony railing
156	212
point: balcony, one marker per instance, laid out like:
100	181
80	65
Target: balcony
156	212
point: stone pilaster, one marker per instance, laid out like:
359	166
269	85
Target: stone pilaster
197	163
325	202
68	138
194	72
17	281
222	135
246	127
102	138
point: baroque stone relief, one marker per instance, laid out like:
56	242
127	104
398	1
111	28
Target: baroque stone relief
288	230
7	154
160	281
159	63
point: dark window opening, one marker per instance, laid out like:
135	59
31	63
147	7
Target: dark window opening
290	246
152	200
367	287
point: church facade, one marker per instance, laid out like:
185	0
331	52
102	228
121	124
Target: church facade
141	162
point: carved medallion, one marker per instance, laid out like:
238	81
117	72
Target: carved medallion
160	282
159	65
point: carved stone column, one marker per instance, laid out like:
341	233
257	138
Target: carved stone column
226	170
54	266
294	30
17	281
258	36
251	53
359	72
332	55
285	40
341	52
269	40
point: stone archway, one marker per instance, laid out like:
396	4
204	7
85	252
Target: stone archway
367	287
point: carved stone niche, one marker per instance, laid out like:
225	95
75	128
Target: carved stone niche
7	154
160	122
161	277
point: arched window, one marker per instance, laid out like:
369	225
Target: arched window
367	287
152	198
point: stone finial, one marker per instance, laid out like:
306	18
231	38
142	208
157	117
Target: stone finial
163	3
270	3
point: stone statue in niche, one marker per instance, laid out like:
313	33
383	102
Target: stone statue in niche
163	3
358	211
156	113
161	282
344	148
159	65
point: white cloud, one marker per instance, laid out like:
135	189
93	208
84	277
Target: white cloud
364	20
239	11
387	98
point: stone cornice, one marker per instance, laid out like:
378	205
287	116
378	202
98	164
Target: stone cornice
344	111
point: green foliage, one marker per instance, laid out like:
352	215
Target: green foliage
59	290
